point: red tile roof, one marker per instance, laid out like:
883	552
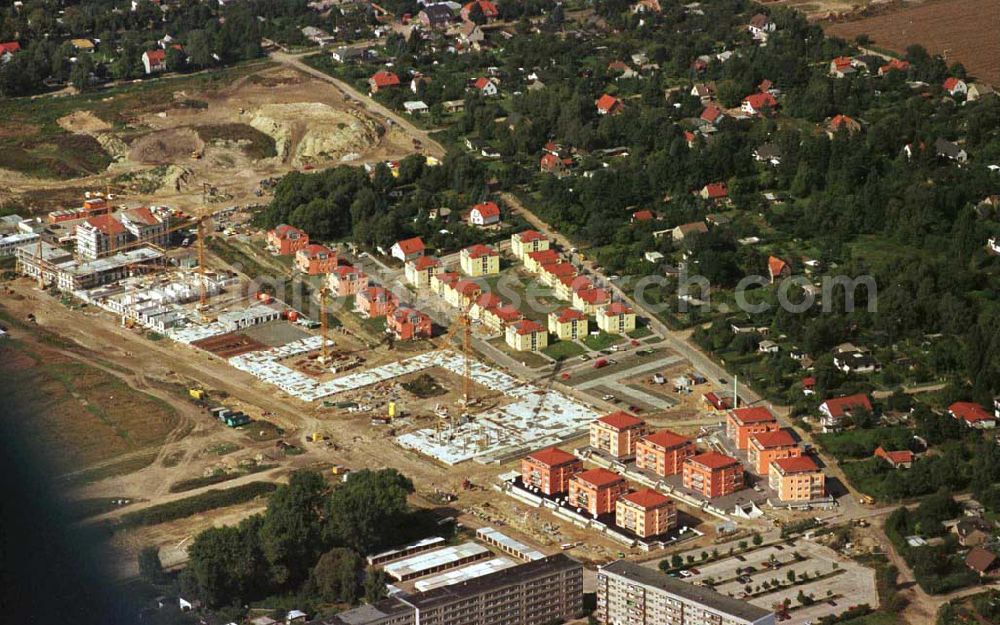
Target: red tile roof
447	277
760	101
770	440
666	439
755	414
530	235
719	403
425	262
559	270
107	224
843	62
526	326
798	464
643	215
543	257
904	456
552	457
838	406
566	315
488	8
593	296
599	477
156	57
468	288
385	79
142	215
620	420
283	230
479	250
411	246
607	103
9	46
894	64
346	271
616	308
489	300
711	114
506	313
951	82
716	190
647	499
313	250
970	412
775	265
487	209
713	460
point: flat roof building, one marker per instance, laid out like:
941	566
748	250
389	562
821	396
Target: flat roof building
436	561
631	594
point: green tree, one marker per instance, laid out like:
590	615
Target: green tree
335	576
758	540
369	510
291	533
374	585
150	567
226	563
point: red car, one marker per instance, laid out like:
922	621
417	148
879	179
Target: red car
600	362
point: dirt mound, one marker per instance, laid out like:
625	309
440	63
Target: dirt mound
167	146
308	131
84	122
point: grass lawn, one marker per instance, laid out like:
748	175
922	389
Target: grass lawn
529	359
602	340
641	331
562	350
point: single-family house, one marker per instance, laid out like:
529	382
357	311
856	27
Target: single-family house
777	269
714	191
901	459
284	240
973	415
407	249
408	324
950	151
761	27
484	214
315	260
955	86
486	87
841	66
759	104
382	80
684	232
608	105
833	411
374	302
486	8
894	65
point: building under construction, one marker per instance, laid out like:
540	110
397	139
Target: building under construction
54	266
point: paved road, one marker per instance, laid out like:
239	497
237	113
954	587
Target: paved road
430	146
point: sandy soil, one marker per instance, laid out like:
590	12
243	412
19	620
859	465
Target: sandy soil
161	159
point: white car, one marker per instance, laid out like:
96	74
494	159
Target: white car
686	573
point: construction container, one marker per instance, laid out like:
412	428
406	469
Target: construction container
236	419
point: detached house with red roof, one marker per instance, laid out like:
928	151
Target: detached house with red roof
154	61
955	86
646	513
554	164
897	459
973	415
375	302
407	324
663	452
777	269
617	434
833	411
712	115
550	470
100	236
616	318
8	49
315	259
596	491
841	66
407	249
742	423
842	122
420	270
488	9
759	104
526	336
285	240
382	80
894	65
346	280
484	214
527	242
608	105
715	192
484	86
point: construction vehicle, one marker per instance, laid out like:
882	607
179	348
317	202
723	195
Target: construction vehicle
197	393
867	500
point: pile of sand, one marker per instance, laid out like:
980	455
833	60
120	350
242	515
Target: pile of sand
308	131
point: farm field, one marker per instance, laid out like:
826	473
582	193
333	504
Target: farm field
961	30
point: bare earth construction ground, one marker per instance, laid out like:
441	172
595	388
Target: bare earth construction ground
962	31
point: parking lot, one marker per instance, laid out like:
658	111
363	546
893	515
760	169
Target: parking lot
841	583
